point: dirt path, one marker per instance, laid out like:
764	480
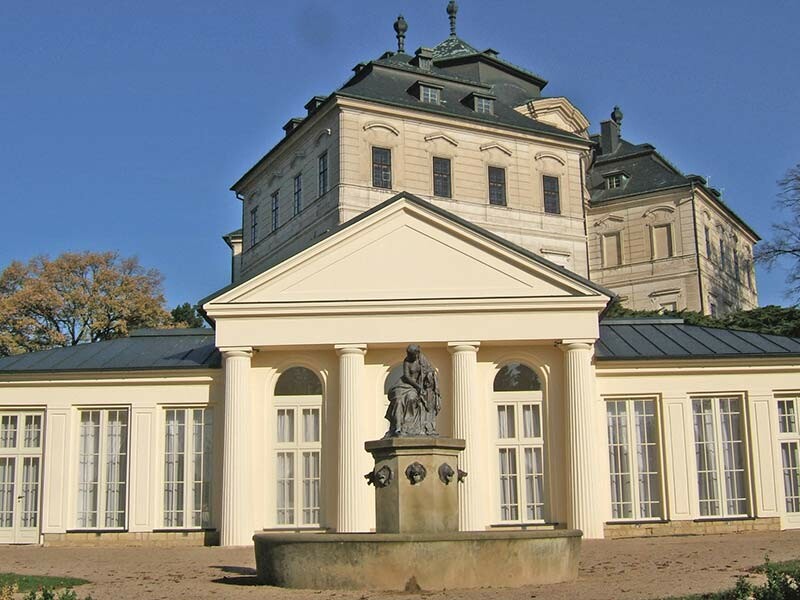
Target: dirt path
612	570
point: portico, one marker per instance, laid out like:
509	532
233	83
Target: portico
345	308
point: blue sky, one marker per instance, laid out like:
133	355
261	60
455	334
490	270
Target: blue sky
122	125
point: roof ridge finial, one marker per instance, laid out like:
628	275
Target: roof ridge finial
452	10
400	28
616	116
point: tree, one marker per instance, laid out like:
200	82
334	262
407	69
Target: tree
786	235
185	315
74	298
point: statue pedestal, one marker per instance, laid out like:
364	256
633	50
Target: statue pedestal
416	484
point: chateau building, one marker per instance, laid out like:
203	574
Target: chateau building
435	198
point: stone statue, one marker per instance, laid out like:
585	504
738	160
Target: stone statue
415	401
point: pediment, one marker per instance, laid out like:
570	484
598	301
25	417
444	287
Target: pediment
406	251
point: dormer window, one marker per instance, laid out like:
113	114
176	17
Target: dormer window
484	105
430	94
615	180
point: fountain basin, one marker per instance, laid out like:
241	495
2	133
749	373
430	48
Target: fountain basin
397	561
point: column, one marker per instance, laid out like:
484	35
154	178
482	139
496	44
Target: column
236	527
466	425
583	510
353	492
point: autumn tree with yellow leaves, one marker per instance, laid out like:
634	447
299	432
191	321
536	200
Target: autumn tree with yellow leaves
77	297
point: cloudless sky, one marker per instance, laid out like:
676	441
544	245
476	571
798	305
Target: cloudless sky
123	124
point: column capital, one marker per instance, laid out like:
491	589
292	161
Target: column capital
350	349
576	344
236	351
453	347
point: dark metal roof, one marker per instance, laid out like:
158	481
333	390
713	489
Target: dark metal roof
388	82
654	338
147	349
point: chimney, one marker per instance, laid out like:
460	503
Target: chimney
609	132
423	58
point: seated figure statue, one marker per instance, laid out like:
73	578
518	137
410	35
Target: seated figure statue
415	400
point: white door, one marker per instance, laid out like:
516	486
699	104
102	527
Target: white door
20	476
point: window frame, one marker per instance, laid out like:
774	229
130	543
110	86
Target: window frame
501	186
483	105
604	254
188	508
102	469
787	436
253	226
297	447
448	175
719	457
381	171
297	195
275	209
430	94
546	192
322	174
633	454
519	444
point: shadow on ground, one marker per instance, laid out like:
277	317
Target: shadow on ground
247	575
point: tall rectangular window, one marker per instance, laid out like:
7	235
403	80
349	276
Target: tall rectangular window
552	197
188	467
102	468
723	255
382	168
633	459
720	452
662	241
298	194
441	177
275	208
323	173
298	448
497	186
736	274
789	436
253	226
708	242
520	456
612	250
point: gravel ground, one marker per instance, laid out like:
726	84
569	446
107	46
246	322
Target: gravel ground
609	569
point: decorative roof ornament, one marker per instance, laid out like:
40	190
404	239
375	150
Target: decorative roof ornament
400	28
616	116
452	10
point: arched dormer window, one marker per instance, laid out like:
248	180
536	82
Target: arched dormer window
519	444
298	448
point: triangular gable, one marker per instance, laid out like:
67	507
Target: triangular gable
407	249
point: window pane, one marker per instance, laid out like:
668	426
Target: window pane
787	418
8	431
791	475
7	473
733	455
382	168
33	431
30	492
516	377
531	421
323	174
619	459
705	452
298	194
89	468
310	424
116	467
509	505
505	422
285	423
174	468
497	186
534	484
298	381
552	197
441	177
285	498
311	481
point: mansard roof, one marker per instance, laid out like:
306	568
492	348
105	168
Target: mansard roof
647	171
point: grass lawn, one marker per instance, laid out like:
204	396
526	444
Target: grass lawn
27	583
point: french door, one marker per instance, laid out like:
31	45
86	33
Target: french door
20	476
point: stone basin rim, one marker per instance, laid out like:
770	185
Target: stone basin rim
368	538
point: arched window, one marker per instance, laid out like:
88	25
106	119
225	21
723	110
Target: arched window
298	447
519	440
